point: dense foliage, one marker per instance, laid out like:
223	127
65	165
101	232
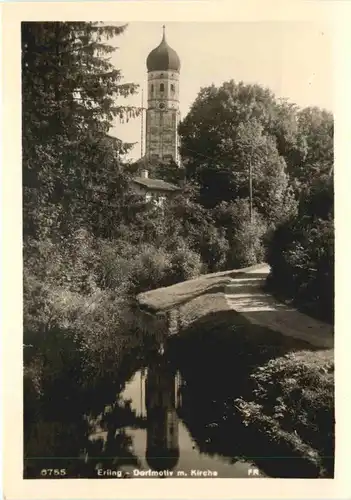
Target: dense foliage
235	128
292	400
91	244
301	252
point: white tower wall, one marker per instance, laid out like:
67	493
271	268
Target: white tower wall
162	115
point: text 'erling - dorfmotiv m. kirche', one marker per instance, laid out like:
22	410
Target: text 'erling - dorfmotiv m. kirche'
162	114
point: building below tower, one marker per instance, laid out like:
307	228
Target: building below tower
153	190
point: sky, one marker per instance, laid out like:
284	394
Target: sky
292	58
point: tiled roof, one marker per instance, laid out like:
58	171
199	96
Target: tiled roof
157	184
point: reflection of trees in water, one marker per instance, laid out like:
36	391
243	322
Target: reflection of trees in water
161	396
67	405
61	416
211	423
60	445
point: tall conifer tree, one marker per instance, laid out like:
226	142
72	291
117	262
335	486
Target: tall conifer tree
71	95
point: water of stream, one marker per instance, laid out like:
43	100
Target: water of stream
163	444
166	413
154	427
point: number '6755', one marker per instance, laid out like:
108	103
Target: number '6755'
53	472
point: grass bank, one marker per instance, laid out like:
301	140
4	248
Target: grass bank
184	293
291	407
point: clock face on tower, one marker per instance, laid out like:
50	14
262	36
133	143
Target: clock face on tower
162	105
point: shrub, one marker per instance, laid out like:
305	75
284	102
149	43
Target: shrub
295	394
301	250
246	247
114	266
70	262
245	238
213	246
301	256
149	268
185	264
155	267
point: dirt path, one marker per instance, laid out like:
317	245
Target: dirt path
246	296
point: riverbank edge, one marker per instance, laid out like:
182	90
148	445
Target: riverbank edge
259	416
194	293
262	307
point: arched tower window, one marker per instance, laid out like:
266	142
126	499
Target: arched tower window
172	87
162	87
152	88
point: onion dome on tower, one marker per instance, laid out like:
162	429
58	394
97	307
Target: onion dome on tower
163	58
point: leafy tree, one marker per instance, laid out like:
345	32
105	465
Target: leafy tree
188	221
301	251
215	116
229	130
316	130
317	198
269	180
170	172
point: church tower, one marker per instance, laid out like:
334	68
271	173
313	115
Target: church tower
162	399
162	114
